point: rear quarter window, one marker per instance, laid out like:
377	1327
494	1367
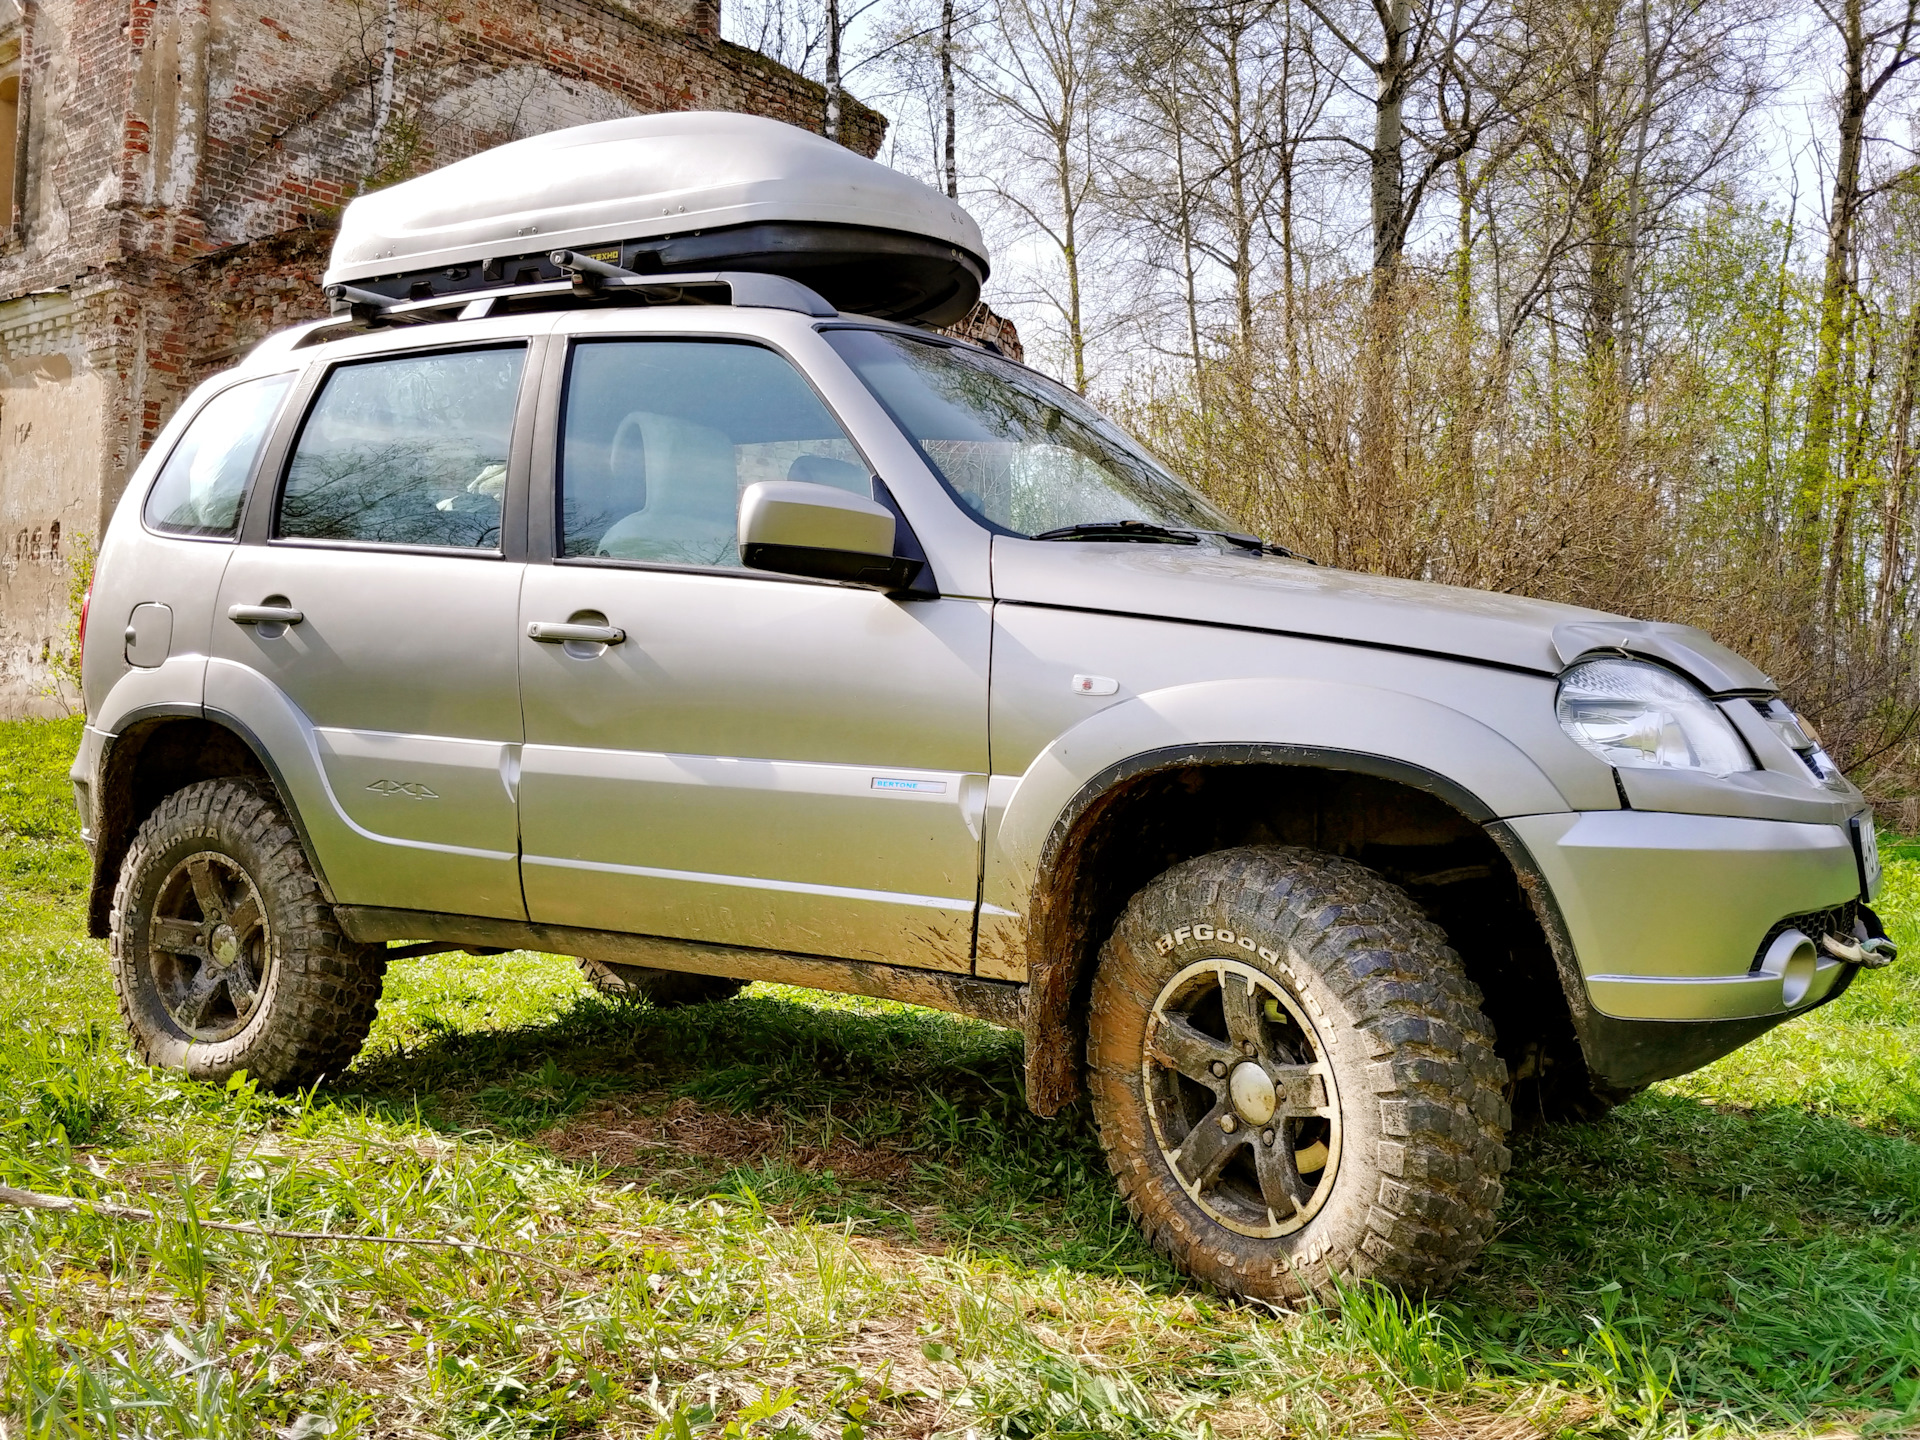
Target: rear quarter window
200	488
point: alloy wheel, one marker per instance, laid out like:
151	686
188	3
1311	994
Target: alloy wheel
209	945
1241	1097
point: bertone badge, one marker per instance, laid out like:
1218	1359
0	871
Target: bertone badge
396	787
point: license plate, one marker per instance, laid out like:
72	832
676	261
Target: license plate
1867	846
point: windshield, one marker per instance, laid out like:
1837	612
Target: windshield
1024	454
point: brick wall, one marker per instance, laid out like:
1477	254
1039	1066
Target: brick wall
186	161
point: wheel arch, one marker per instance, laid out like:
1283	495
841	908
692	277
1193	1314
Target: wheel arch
155	751
1423	830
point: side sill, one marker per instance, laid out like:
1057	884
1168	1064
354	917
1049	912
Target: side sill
999	1002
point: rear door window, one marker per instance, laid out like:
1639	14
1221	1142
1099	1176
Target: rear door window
410	450
200	487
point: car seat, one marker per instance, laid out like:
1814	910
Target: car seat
691	482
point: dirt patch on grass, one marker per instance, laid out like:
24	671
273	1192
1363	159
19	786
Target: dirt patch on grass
629	1131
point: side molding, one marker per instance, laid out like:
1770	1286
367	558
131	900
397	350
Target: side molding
997	1002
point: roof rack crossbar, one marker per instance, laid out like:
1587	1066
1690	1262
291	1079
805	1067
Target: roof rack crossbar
581	266
745	288
353	295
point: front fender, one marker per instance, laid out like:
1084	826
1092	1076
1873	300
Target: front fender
1329	724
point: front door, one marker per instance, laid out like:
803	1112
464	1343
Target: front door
755	760
386	546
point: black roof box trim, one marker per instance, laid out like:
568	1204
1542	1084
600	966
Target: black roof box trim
884	273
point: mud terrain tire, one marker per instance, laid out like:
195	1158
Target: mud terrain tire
1328	1023
662	989
225	954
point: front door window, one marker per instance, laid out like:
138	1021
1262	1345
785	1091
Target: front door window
661	438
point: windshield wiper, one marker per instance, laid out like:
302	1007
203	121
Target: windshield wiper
1122	530
1257	545
1146	530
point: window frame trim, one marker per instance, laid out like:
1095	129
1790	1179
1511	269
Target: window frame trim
259	528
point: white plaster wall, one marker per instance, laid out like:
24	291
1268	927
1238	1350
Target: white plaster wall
52	412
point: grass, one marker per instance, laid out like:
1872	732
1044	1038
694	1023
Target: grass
802	1215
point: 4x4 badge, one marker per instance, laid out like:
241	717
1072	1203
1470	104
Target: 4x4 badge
395	787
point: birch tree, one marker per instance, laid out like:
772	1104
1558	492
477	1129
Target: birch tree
1044	78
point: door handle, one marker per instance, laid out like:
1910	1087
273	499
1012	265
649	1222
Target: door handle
553	632
264	615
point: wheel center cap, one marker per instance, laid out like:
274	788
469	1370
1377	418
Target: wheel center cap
225	945
1253	1093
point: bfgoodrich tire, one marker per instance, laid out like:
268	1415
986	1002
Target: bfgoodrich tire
1293	1079
662	989
226	957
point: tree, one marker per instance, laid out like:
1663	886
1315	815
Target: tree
1875	49
1044	76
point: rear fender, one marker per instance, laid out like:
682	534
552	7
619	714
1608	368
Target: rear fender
244	701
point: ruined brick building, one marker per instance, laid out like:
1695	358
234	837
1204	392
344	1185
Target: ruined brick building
170	172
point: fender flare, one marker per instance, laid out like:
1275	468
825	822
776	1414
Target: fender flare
1361	727
111	849
1029	880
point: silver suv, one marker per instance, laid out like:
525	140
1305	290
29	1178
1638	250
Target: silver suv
687	626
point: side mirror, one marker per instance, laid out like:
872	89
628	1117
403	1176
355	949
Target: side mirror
796	528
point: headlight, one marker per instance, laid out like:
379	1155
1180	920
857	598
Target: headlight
1634	714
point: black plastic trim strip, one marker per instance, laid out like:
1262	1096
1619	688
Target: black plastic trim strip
1309	757
1002	1002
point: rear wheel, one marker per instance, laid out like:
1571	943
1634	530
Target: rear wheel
1293	1078
662	989
225	955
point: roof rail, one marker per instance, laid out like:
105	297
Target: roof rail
589	279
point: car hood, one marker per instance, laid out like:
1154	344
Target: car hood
1291	597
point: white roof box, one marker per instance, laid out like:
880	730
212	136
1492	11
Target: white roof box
692	191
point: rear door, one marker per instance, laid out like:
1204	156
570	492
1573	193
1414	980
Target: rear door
757	760
381	598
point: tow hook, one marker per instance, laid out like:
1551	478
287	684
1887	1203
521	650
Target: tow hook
1873	953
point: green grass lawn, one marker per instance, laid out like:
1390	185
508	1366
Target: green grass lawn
801	1215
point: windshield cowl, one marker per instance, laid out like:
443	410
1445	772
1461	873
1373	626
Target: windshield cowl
1140	531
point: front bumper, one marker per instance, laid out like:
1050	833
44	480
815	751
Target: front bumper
1670	917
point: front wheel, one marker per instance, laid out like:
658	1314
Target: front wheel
1293	1078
